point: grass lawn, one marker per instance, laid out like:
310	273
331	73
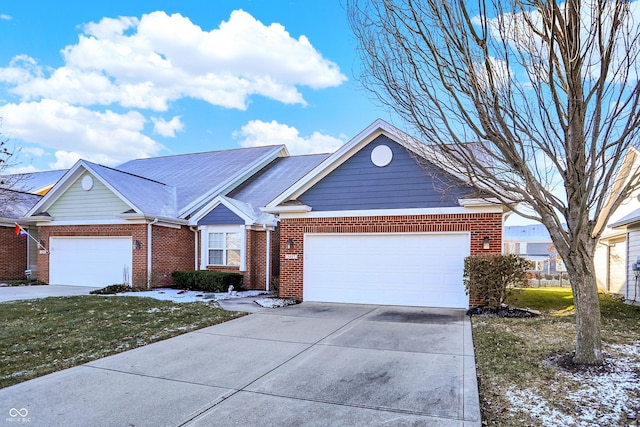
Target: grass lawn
41	336
518	388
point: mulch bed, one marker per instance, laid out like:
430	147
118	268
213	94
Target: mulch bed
502	312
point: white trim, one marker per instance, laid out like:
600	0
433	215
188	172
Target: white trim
478	202
204	244
391	233
287	209
89	222
267	267
67	180
393	212
217	201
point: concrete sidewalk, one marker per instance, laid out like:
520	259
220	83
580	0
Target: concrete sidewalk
311	364
14	293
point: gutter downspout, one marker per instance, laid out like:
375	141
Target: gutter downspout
195	246
149	251
267	268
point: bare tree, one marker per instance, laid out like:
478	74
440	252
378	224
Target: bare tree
7	181
548	90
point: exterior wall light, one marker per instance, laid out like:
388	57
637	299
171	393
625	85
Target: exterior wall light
486	244
289	244
137	245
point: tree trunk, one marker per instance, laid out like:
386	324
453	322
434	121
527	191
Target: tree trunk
587	304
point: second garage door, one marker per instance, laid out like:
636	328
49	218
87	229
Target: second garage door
89	261
423	269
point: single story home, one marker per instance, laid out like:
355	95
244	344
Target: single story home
374	222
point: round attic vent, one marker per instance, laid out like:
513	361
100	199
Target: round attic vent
87	183
381	156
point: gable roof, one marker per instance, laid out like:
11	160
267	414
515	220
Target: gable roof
373	131
201	176
247	199
171	186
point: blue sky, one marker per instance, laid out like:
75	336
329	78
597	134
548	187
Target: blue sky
111	81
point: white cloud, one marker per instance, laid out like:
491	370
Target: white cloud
34	151
5	17
65	159
149	62
167	129
103	137
258	133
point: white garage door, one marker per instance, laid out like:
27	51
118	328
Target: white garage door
89	261
392	269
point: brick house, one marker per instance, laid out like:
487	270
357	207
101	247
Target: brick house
18	193
376	223
351	226
18	253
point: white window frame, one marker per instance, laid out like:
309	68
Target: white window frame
206	230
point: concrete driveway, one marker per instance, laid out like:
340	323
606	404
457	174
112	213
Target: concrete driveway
14	293
312	364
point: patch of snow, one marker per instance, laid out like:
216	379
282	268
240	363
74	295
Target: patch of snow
602	399
236	294
275	302
178	295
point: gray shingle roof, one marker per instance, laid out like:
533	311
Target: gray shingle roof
201	176
30	182
16	204
279	175
151	197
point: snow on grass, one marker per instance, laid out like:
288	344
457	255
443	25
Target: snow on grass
177	295
601	399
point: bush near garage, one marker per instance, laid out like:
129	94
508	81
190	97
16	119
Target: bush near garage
489	278
206	281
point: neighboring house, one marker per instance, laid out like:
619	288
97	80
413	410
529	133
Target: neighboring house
370	223
618	247
32	182
18	193
533	242
628	271
18	253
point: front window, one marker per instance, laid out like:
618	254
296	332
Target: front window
224	248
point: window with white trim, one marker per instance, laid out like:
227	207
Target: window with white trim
224	248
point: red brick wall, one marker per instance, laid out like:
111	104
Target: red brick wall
13	254
173	249
480	225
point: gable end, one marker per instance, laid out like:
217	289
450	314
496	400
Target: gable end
394	183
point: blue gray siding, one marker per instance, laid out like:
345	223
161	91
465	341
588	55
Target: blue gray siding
221	215
404	183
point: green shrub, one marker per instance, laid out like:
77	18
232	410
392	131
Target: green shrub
206	281
488	278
